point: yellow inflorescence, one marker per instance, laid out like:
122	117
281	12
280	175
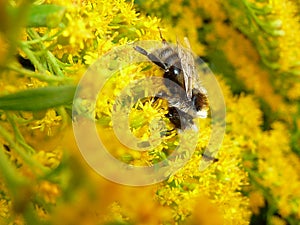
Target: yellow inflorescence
287	12
46	179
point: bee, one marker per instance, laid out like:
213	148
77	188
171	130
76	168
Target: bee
178	65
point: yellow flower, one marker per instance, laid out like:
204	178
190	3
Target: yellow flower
48	191
275	220
4	49
49	159
4	209
287	12
207	213
279	168
240	119
256	201
294	91
48	123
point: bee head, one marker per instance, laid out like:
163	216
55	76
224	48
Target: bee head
174	70
175	74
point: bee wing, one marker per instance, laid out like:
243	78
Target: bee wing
188	67
191	76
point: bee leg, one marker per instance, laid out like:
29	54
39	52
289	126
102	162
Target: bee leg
209	158
152	57
168	132
161	94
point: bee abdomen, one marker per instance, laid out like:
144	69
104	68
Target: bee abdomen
200	100
179	118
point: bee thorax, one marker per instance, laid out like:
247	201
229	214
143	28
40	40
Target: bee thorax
169	57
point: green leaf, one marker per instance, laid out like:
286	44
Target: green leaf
38	98
45	16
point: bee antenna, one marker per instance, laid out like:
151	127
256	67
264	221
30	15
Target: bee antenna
160	34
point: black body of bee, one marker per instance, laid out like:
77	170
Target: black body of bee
184	109
180	119
26	63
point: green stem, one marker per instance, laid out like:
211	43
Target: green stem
54	63
265	26
19	137
62	111
44	38
32	58
24	155
272	206
8	172
40	76
49	56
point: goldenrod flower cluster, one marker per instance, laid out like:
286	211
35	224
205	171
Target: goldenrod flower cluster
250	45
